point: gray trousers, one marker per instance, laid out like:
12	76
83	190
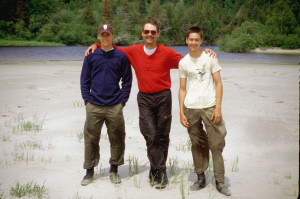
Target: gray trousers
213	139
114	120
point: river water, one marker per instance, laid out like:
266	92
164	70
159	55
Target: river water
77	53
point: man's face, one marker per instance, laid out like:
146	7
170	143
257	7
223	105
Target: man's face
150	34
105	39
193	41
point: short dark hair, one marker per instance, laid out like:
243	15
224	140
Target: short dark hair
153	22
194	29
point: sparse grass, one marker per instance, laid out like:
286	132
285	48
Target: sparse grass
187	166
31	86
7	123
235	165
104	136
2	193
185	146
78	197
6	138
8	109
288	175
80	135
137	182
176	177
276	181
182	187
133	162
68	158
173	163
136	165
45	160
130	121
31	144
78	104
29	157
19	157
28	126
296	188
29	189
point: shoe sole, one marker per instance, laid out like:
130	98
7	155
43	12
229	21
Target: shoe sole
160	187
198	189
86	183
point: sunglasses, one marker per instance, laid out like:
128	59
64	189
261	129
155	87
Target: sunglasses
153	32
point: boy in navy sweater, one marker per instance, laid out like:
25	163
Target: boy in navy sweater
104	99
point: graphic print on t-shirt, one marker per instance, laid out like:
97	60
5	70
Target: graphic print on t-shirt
200	73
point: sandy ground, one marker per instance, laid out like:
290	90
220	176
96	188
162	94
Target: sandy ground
260	108
277	50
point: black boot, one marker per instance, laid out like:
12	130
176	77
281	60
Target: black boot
153	176
88	178
162	180
199	184
113	174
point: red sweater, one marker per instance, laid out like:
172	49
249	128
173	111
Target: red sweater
152	72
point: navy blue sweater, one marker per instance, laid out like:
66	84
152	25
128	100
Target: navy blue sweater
100	78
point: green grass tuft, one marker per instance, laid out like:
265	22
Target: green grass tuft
29	189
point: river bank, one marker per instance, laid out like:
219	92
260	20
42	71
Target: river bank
277	51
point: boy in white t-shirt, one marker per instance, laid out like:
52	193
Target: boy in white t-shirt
202	102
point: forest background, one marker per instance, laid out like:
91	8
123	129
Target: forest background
234	25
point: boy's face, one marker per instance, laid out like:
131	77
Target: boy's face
194	41
106	39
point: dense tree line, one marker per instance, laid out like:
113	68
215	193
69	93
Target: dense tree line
235	25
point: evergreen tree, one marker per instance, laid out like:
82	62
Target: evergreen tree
106	12
126	11
202	15
282	18
20	12
87	17
142	7
154	9
241	16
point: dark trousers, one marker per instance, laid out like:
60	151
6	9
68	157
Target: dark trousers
155	118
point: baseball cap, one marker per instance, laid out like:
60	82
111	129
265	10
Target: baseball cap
105	28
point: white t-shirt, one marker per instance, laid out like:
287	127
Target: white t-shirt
201	88
149	51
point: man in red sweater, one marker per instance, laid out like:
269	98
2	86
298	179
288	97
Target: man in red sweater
152	63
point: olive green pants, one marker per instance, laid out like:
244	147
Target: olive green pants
114	120
213	139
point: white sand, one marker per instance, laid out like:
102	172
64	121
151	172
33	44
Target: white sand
260	108
277	50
